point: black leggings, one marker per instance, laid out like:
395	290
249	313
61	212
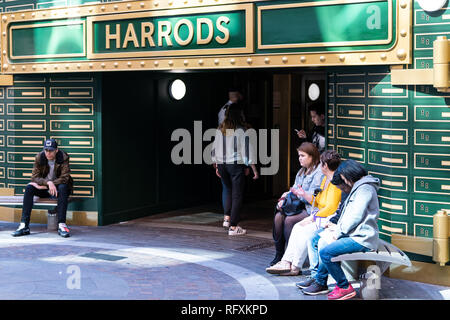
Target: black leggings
282	228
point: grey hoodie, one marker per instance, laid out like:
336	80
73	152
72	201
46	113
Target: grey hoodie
360	213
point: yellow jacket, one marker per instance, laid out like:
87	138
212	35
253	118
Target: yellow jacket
327	200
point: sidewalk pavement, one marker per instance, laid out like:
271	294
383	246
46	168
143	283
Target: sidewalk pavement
180	255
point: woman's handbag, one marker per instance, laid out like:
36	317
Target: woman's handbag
292	205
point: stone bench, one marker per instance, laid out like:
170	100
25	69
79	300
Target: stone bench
384	256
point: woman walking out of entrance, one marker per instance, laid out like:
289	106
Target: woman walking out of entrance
292	208
327	202
232	155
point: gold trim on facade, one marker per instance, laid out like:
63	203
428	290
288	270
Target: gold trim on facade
399	54
322	44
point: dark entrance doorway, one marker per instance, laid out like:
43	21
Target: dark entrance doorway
139	117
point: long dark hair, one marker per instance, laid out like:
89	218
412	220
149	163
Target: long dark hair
352	170
233	118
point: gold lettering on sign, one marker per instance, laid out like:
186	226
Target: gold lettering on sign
130	35
164	33
110	36
176	32
147	35
209	24
224	30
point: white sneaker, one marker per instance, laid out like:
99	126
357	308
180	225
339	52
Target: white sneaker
238	231
226	223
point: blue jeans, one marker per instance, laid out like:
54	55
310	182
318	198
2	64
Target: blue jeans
326	266
313	252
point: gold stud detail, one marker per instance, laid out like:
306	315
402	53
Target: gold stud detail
13	16
302	59
267	60
142	4
284	59
403	33
200	62
129	64
116	64
5	66
4	33
24	67
4	52
142	63
403	4
67	66
33	14
103	65
91	65
156	3
116	7
216	61
362	57
170	63
128	5
78	65
401	54
102	8
33	67
383	56
23	15
341	58
156	63
233	61
186	62
322	58
4	18
249	60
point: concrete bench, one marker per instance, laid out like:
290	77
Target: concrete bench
384	256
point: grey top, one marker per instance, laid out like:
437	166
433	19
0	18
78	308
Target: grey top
51	173
360	213
309	183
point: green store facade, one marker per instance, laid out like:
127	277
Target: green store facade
95	76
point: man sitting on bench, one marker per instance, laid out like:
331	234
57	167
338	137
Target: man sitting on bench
50	179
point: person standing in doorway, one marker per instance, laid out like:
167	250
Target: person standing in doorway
317	134
50	178
232	154
234	96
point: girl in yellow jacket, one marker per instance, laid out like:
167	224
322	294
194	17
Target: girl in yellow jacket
325	204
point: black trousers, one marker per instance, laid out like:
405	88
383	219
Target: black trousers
233	178
30	192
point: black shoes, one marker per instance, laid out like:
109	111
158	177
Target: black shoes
276	259
21	232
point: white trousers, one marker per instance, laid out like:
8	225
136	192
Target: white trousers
297	249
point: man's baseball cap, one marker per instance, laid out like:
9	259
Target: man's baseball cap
50	144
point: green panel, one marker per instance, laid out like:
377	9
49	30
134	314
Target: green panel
425	41
354	153
72	125
387	90
27	125
281	25
71	109
26	109
392	136
351	111
35	41
432	137
21	157
422	230
388	113
356	90
26	92
26	141
432	185
431	161
351	132
439	18
432	113
236	27
394	206
426	208
391	182
19	173
388	159
71	92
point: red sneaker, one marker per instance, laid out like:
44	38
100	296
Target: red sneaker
342	294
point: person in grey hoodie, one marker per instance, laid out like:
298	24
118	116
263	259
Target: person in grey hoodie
356	231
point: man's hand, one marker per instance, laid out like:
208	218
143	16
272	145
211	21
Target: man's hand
52	189
301	134
34	184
